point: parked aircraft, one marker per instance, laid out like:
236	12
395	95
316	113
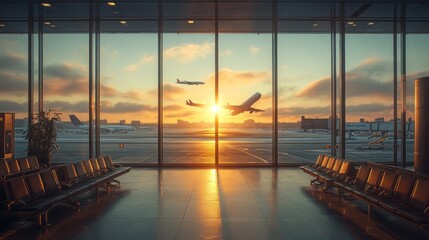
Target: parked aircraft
189	82
246	106
104	128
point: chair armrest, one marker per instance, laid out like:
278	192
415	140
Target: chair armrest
386	193
426	211
349	179
10	204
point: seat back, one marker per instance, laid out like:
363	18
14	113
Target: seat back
325	161
102	163
35	186
403	188
419	199
4	167
362	176
373	177
80	170
330	163
34	163
16	189
337	165
70	171
23	164
345	168
319	160
88	167
61	173
13	165
50	180
95	165
388	180
109	161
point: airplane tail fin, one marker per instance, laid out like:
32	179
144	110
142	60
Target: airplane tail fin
75	121
189	102
177	80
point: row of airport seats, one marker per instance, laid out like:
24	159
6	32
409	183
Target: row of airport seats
19	166
33	194
399	191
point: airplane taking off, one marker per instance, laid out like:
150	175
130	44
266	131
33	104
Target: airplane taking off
246	106
189	82
105	128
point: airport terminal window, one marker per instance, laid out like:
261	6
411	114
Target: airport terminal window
13	84
417	66
66	89
189	98
129	97
245	80
369	95
304	90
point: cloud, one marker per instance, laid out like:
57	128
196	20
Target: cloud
11	106
186	53
131	68
64	106
182	114
13	61
173	108
253	50
13	83
368	79
233	79
225	53
170	92
126	107
8	44
146	59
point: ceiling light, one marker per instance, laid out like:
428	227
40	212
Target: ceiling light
354	25
2	25
111	3
46	4
123	22
350	23
190	21
115	12
53	25
315	25
371	23
47	23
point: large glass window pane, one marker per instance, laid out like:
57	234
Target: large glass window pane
369	93
304	80
14	83
188	112
129	97
245	98
66	89
417	50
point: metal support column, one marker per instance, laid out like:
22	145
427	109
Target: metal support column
274	85
333	79
97	79
342	81
160	87
403	87
91	81
30	63
40	66
216	83
395	86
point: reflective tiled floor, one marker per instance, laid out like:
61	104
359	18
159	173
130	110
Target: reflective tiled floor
247	203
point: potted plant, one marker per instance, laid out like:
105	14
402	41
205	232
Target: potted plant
42	136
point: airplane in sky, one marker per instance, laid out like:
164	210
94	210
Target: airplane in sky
104	128
189	82
246	106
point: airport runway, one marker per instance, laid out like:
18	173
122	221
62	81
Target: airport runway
253	146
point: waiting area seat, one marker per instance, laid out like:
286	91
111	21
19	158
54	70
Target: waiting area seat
401	192
27	194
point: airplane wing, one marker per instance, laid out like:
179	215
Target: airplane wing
190	103
237	109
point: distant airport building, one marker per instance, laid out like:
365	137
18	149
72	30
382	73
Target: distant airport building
136	123
103	122
122	122
313	123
